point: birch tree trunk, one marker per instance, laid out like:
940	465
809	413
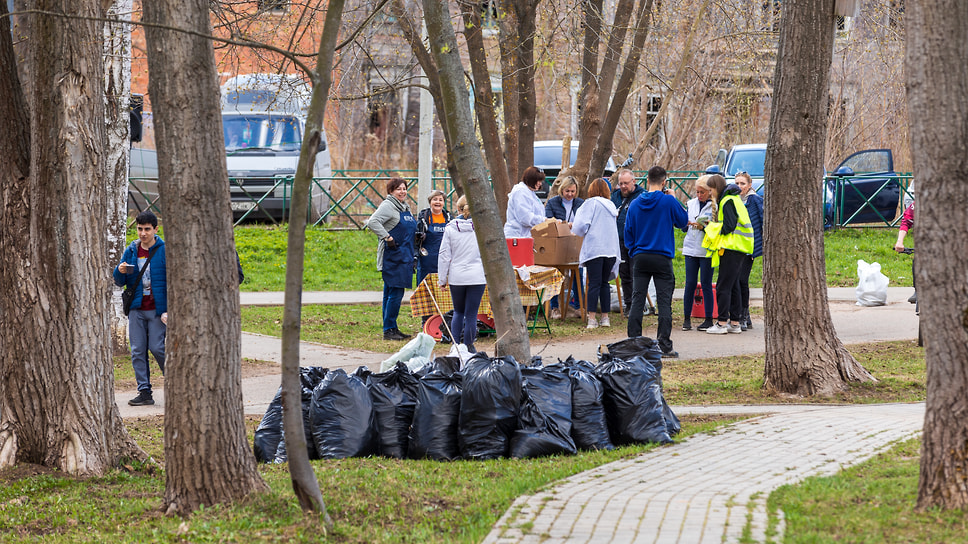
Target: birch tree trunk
57	405
117	87
208	459
509	318
804	356
937	88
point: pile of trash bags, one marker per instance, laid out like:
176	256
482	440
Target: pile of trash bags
484	408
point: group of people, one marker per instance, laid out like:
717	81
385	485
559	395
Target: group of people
628	233
436	241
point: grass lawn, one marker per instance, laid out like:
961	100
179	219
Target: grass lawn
371	500
346	260
872	502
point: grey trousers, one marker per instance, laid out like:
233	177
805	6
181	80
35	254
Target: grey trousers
146	333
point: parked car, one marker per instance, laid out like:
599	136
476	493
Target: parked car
547	156
863	189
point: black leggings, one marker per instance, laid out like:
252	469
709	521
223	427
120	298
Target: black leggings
728	296
744	282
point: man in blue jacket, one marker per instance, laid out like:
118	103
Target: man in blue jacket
148	318
651	242
622	197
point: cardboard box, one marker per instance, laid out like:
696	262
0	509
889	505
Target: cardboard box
554	244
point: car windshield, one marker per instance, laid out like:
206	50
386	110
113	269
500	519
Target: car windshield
551	156
750	161
276	132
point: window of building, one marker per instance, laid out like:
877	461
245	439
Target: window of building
895	15
650	106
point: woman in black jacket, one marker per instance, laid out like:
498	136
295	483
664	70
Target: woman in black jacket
430	231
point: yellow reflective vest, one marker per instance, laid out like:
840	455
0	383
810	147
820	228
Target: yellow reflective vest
741	239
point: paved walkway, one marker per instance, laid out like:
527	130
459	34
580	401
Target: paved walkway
711	487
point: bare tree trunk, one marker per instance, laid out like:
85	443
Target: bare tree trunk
304	483
208	458
804	356
426	61
603	148
590	124
937	87
56	378
509	318
509	26
484	106
117	87
527	97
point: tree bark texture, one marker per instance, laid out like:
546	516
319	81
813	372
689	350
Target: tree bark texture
524	72
509	27
208	458
510	321
56	375
429	67
590	122
304	483
804	356
484	106
937	89
117	88
603	147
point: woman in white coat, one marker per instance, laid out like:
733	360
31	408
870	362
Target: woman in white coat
524	207
459	266
595	221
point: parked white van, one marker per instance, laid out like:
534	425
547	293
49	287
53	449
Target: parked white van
263	120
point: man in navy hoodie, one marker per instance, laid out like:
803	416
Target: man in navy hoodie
651	242
622	196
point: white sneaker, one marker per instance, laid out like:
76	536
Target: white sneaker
733	329
604	322
717	329
592	324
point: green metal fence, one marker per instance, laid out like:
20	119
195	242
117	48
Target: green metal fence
347	198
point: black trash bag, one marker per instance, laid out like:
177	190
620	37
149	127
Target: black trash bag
363	373
436	416
445	365
342	417
589	426
639	346
394	396
544	421
489	406
444	334
633	400
281	456
269	432
648	348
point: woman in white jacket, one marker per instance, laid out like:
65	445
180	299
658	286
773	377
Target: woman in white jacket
459	265
524	208
698	266
595	221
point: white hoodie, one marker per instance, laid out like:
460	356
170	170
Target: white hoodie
524	211
459	260
595	220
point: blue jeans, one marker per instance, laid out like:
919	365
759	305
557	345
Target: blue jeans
392	298
467	300
701	267
146	333
599	293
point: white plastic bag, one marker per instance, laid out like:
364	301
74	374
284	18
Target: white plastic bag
460	351
419	348
872	287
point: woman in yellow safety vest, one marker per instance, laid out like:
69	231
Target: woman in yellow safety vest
729	239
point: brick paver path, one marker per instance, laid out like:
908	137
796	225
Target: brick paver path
710	487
